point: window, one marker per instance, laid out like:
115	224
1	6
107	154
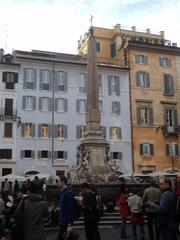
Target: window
30	78
101	106
114	85
103	129
28	130
141	59
61	81
29	103
171	117
115	133
61	131
142	79
146	149
82	83
44	104
8	107
5	153
61	105
98	46
113	50
61	155
10	78
172	149
45	79
115	108
144	115
81	131
81	106
44	130
116	155
100	84
27	154
45	154
165	62
168	84
8	127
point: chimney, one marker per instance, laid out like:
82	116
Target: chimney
1	54
148	30
174	44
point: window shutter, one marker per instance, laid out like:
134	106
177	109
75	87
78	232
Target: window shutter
169	62
33	130
50	104
49	154
22	129
166	83
137	58
120	155
104	131
24	78
161	62
40	80
175	117
171	85
49	131
39	130
24	102
141	149
34	79
55	155
77	105
151	149
119	133
176	150
109	86
150	116
138	115
55	76
39	154
34	103
33	154
113	50
65	131
56	104
65	105
137	79
22	154
118	86
167	149
65	81
165	116
85	82
110	132
50	75
40	104
148	80
78	132
145	60
65	154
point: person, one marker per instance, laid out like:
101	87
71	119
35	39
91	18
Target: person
16	187
166	211
152	194
135	204
66	208
2	205
123	208
6	190
32	209
90	212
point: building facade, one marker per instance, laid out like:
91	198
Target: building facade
51	106
154	92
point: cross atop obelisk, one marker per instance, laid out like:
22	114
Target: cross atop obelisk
91	19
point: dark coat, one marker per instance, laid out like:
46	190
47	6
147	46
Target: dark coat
34	211
123	206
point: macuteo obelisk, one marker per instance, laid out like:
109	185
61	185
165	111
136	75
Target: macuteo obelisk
94	142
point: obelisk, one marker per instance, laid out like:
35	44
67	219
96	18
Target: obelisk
94	142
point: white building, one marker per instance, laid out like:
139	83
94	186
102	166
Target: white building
34	141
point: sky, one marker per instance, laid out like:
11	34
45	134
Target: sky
56	25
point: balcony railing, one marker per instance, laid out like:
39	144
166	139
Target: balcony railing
8	113
170	130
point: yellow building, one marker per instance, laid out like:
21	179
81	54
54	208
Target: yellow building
154	92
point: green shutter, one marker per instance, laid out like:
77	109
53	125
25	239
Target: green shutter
150	116
176	150
151	149
113	50
109	86
141	149
137	79
167	149
138	115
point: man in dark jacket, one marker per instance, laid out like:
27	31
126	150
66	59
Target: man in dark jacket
34	209
66	208
90	212
166	211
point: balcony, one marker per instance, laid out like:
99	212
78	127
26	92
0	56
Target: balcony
170	130
8	113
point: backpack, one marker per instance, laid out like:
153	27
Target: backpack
76	209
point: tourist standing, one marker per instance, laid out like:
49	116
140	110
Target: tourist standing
166	211
135	204
123	208
66	208
152	194
6	190
90	212
32	210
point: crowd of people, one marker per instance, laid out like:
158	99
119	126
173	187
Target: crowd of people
23	210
